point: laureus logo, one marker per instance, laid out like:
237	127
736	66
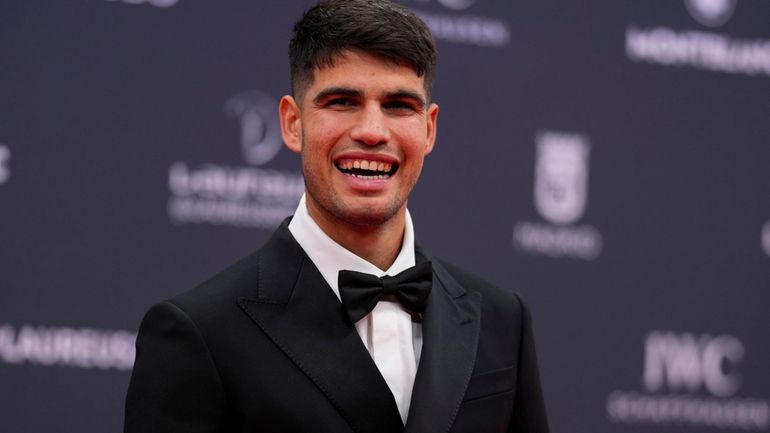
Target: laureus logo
64	346
260	132
238	195
561	176
711	13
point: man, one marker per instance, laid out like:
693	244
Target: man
268	346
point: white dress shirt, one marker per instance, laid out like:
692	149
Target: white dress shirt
390	336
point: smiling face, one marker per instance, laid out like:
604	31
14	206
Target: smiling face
363	128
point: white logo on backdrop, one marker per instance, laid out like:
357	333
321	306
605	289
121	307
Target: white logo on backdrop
5	161
450	4
561	177
712	13
67	347
260	131
452	25
690	380
243	196
766	238
686	363
697	49
158	3
560	197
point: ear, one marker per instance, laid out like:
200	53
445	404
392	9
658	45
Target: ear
431	127
291	123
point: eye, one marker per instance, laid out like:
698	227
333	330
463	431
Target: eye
340	102
400	107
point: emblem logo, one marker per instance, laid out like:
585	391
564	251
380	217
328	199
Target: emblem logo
260	131
561	176
711	13
560	197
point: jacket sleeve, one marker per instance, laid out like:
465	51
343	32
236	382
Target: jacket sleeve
529	408
175	386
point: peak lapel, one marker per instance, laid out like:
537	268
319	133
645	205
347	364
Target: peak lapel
451	327
298	311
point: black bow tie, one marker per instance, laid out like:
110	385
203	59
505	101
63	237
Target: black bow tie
360	292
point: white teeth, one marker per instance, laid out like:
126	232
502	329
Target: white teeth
362	164
365	165
379	176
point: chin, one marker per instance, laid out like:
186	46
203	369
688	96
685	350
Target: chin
369	216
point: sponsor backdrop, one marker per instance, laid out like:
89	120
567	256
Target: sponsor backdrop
608	160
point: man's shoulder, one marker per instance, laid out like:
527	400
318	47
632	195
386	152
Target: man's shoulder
222	290
243	278
493	296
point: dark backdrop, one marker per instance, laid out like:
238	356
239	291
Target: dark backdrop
606	159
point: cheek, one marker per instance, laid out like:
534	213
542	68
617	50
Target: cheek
413	140
321	136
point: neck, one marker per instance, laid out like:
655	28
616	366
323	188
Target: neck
377	244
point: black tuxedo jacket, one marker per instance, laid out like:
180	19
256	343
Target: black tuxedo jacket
264	346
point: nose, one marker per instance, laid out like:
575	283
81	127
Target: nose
371	126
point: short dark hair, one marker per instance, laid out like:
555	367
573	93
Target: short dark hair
378	27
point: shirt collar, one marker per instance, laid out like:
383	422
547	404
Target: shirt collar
330	257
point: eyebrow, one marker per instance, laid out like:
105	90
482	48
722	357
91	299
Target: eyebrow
337	91
407	94
355	93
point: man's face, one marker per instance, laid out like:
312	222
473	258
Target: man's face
363	128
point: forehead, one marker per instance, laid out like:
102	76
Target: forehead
366	72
